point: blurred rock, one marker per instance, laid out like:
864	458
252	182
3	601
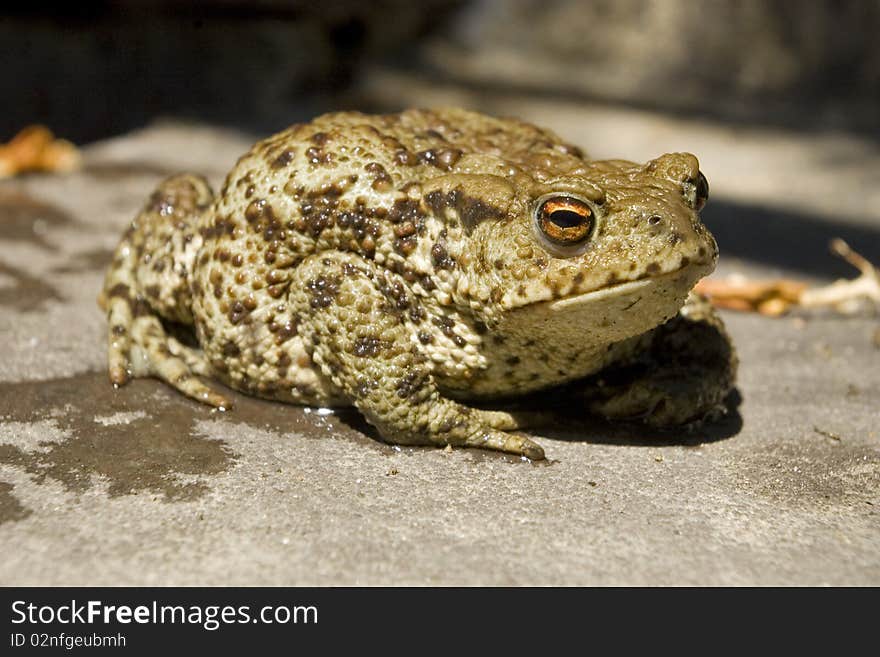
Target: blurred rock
749	59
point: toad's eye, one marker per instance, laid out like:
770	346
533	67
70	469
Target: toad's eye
702	192
564	220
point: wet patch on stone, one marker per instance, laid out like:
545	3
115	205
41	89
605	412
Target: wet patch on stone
146	453
10	508
26	293
25	219
143	437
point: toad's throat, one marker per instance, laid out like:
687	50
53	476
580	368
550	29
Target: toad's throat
579	335
593	320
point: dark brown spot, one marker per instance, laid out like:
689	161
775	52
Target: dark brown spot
470	210
365	387
368	346
406	209
381	180
417	313
395	292
237	312
285	332
447	325
405	158
440	257
569	149
405	245
427	156
410	383
140	308
405	229
318	212
447	158
323	291
317	156
118	290
285	158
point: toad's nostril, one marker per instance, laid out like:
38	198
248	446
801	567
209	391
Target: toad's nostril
654	220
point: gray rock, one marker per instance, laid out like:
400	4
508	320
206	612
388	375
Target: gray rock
141	486
745	59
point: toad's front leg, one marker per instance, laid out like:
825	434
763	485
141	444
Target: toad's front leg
682	374
362	339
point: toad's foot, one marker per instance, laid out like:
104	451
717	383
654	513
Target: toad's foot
682	377
138	290
139	347
363	340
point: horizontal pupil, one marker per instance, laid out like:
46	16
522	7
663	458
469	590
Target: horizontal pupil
567	218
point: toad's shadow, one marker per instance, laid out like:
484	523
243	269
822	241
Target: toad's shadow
597	430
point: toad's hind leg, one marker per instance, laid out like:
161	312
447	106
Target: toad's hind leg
148	281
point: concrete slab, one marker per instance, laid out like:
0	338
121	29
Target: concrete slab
142	487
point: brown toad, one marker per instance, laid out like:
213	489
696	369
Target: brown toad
407	263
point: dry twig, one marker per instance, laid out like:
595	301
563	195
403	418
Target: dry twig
778	296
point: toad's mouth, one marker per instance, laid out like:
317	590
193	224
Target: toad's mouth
676	283
592	320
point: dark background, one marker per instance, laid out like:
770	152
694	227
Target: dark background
94	69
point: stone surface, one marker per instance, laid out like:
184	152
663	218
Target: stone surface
141	486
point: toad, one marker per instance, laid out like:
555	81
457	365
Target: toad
422	266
